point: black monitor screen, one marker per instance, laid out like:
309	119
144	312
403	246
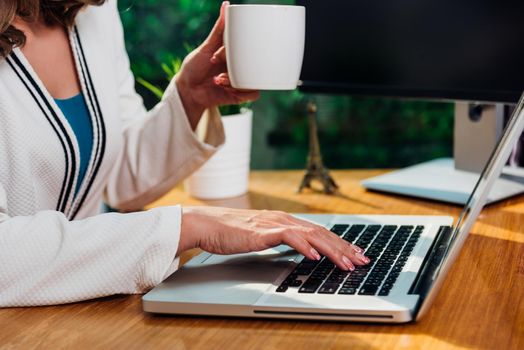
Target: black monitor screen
445	49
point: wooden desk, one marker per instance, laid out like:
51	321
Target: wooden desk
480	306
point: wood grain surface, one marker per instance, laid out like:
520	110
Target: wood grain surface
480	306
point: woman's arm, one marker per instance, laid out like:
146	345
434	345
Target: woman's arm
46	259
160	148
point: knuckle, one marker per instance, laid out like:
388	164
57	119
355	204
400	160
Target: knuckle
311	232
278	215
307	233
350	247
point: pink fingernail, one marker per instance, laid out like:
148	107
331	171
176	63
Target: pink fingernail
214	59
315	254
362	258
348	263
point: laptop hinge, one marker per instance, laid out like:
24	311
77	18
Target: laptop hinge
431	263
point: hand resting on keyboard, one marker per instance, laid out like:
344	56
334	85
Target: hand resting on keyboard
231	231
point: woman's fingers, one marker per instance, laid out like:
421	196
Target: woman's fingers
238	96
340	252
219	56
336	249
216	38
325	242
222	80
356	249
302	246
343	258
243	97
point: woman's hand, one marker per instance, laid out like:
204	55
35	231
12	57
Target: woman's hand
203	81
230	231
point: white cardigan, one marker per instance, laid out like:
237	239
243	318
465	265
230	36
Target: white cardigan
55	248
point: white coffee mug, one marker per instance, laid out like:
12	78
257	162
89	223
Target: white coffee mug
265	46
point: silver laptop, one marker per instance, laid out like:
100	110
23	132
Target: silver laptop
411	256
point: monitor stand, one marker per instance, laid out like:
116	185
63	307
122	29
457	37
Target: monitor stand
477	130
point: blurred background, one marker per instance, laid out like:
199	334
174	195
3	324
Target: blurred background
355	132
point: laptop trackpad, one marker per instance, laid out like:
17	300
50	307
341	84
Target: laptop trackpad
237	279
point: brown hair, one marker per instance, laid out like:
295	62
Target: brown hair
53	12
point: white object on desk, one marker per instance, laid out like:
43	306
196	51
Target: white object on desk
226	173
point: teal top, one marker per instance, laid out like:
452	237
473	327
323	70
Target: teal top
77	114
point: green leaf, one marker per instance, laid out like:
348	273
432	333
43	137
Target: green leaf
170	72
188	47
153	88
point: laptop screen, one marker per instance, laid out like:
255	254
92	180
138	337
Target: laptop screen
490	174
478	198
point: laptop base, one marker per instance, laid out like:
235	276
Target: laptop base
248	285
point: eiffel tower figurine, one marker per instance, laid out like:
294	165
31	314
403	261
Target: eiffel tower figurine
315	167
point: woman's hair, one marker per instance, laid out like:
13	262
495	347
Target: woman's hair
53	12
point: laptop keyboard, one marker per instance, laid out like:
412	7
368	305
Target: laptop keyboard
388	247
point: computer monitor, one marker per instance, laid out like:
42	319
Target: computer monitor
440	49
454	50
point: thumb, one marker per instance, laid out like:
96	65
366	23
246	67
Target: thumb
215	39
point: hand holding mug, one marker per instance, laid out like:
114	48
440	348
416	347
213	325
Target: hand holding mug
203	80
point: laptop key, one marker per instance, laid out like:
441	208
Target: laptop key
351	285
328	288
295	283
311	285
356	229
303	271
387	285
334	279
383	292
347	291
282	289
368	290
308	288
339	230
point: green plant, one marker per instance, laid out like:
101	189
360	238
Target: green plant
154	30
170	69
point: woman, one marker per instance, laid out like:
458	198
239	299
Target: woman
74	133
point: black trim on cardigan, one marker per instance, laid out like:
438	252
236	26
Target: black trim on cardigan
95	121
101	130
68	181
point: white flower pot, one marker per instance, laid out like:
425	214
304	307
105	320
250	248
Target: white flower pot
226	174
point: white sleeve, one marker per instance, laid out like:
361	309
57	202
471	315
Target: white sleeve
46	259
160	148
